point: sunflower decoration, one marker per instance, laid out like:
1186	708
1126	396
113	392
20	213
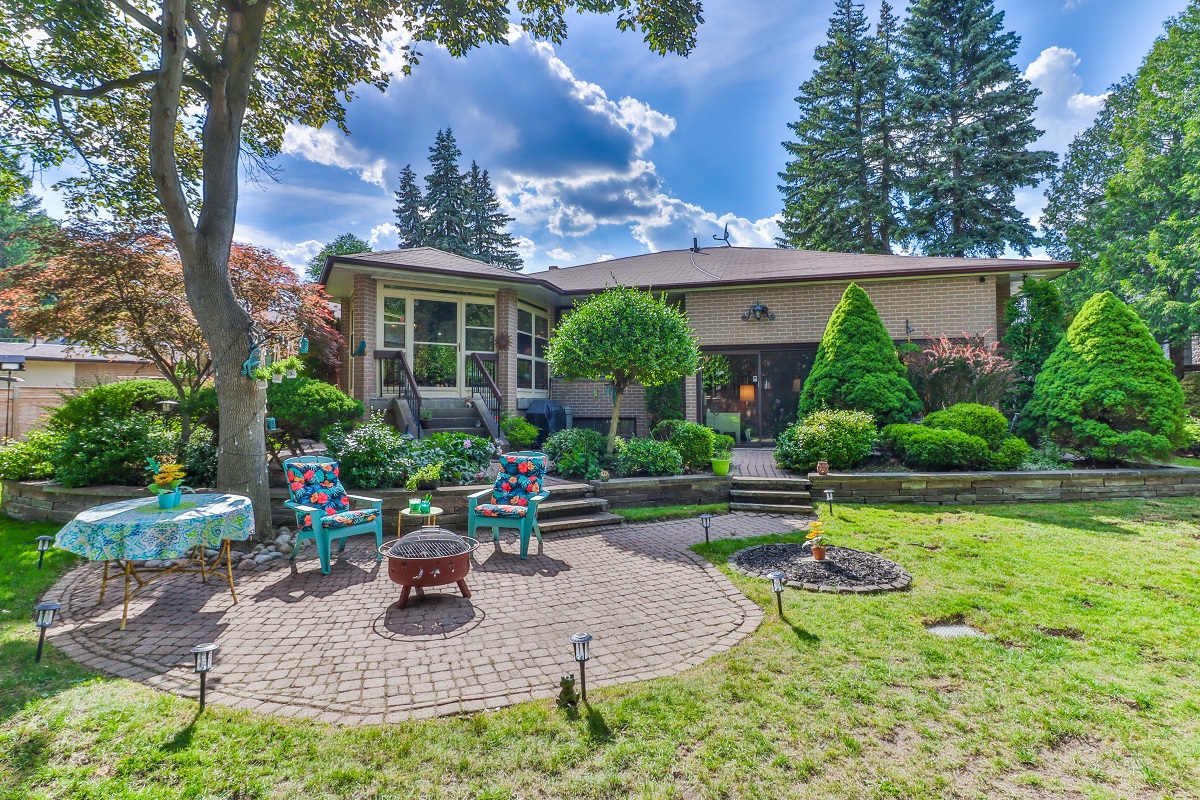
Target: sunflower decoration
167	477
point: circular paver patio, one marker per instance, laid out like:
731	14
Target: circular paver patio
335	648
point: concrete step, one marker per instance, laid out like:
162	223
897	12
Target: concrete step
562	524
780	484
561	491
554	509
770	495
772	508
451	412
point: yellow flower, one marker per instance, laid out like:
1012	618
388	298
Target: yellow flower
813	534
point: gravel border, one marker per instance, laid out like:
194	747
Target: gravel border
900	583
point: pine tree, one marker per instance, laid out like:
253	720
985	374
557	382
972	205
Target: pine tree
886	112
486	223
346	244
445	225
970	117
410	221
836	190
857	367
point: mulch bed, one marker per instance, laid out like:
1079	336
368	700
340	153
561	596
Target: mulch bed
843	570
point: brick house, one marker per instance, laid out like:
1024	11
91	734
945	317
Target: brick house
425	317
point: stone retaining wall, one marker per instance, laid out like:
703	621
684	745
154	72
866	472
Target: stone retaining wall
971	488
677	490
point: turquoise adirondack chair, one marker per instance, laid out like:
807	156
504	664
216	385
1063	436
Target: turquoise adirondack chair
323	509
513	500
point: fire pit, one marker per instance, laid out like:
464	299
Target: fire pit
430	556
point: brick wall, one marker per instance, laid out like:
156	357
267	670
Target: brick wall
935	305
590	399
506	360
362	328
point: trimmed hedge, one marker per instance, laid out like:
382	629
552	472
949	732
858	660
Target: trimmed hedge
577	453
983	421
925	448
843	438
695	445
649	457
302	407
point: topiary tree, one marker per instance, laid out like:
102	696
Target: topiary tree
623	335
857	368
1107	391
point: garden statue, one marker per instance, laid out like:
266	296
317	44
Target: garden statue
567	698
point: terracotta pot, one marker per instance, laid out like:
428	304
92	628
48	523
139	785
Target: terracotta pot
822	467
818	552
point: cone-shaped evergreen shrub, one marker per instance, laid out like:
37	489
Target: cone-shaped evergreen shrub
1107	391
857	367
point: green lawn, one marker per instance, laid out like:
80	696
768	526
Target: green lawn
1085	688
659	513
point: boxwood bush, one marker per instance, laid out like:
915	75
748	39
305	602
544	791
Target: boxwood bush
983	421
372	456
921	447
32	459
577	453
843	438
1012	454
649	457
519	431
694	443
302	407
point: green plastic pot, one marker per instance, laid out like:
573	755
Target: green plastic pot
721	466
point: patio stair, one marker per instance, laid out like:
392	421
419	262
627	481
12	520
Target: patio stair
771	496
452	416
571	507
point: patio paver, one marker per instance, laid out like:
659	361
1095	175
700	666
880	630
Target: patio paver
335	647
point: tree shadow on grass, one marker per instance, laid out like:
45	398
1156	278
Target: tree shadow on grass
1071	515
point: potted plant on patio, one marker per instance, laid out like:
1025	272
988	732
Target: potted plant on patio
722	455
166	482
817	540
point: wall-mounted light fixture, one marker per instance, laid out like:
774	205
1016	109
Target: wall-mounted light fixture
909	330
759	312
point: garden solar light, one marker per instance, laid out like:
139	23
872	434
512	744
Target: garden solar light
777	587
204	654
43	544
581	642
706	521
45	618
829	499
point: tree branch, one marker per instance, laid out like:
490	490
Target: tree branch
56	90
164	112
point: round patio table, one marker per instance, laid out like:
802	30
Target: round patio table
138	530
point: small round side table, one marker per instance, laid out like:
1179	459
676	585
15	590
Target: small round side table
430	518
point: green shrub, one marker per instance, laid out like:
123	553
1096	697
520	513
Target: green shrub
843	438
649	457
577	453
694	443
723	445
856	366
1190	383
464	458
302	407
201	405
519	431
109	401
374	455
113	451
920	447
1012	454
1108	392
664	402
1191	436
983	421
1047	456
663	430
200	458
30	460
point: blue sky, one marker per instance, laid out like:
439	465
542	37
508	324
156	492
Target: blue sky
601	149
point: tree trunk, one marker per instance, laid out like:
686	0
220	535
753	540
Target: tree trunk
612	425
1178	352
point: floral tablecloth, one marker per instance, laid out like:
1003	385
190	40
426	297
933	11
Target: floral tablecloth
134	530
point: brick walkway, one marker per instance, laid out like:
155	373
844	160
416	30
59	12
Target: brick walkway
335	648
750	462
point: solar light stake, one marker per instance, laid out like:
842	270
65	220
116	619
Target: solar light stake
45	618
43	544
706	520
205	655
777	587
581	642
829	499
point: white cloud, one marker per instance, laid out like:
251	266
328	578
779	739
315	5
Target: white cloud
604	257
526	248
329	147
1062	110
558	254
383	237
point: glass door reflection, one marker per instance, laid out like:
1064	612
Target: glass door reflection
435	343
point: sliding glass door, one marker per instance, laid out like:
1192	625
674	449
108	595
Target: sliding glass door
752	396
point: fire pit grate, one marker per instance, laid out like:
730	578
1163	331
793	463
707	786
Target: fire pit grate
429	544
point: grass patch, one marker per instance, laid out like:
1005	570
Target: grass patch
1085	687
660	513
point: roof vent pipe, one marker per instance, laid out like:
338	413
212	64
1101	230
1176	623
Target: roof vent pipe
695	244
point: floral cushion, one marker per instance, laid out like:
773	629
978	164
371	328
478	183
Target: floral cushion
520	478
494	510
344	519
316	483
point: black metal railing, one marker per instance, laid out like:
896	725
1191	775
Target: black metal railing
480	381
396	379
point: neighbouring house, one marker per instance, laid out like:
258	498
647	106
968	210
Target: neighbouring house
421	322
52	370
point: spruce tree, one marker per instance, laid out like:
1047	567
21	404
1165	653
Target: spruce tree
886	112
836	187
486	223
1107	391
445	224
970	116
857	367
410	221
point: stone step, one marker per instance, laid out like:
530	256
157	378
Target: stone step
562	490
770	495
554	509
772	508
450	412
481	431
562	524
795	484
